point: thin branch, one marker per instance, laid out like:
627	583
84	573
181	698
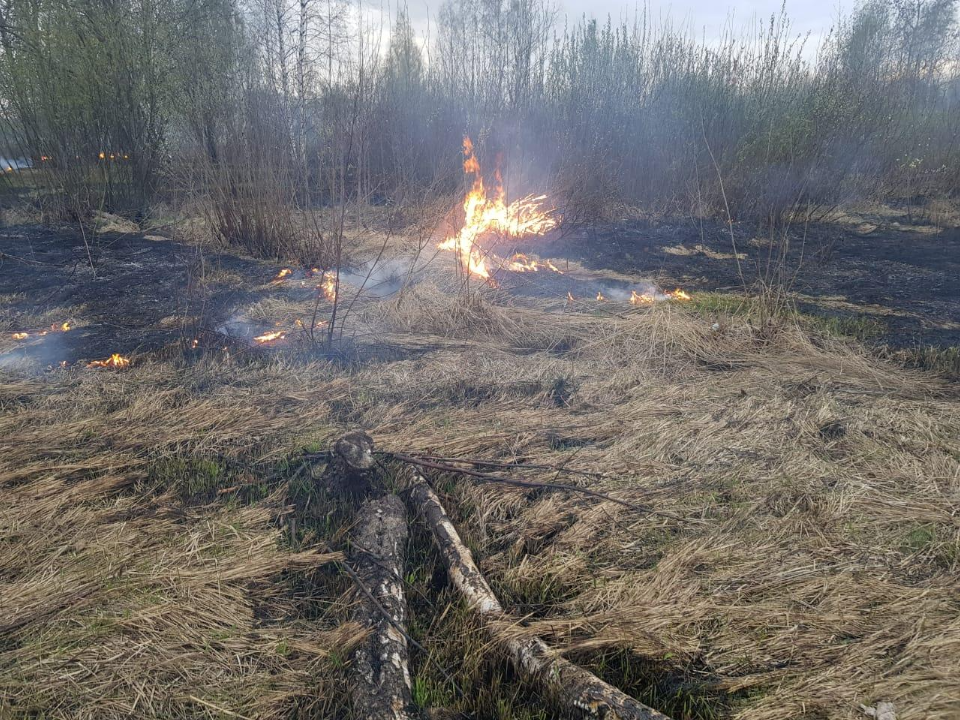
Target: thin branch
490	478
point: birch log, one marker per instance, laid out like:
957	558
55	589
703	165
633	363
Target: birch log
382	687
578	692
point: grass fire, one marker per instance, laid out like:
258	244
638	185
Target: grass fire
502	361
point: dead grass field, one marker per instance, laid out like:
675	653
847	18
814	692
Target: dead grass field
803	555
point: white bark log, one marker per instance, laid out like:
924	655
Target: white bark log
578	692
382	687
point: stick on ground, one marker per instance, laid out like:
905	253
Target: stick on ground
382	687
578	692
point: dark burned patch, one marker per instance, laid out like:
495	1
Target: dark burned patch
137	295
911	278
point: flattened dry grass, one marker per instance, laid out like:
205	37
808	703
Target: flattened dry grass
119	598
804	556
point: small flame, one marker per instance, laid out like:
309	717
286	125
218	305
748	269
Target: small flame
65	327
569	297
20	335
114	361
271	336
521	263
195	343
679	294
329	288
282	274
644	299
600	297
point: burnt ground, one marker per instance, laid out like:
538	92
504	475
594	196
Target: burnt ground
141	295
905	278
144	296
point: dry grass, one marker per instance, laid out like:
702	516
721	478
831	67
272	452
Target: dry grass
812	563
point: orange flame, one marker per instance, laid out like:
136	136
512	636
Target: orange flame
271	336
600	297
521	263
679	294
329	288
569	297
20	335
644	299
485	215
114	361
282	274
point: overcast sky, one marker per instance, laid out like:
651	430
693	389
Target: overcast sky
707	17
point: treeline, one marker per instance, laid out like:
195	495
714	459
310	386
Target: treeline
247	106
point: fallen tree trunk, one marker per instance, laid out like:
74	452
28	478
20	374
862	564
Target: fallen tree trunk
382	687
580	693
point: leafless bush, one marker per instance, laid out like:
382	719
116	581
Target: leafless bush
308	104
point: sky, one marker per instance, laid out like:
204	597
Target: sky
708	18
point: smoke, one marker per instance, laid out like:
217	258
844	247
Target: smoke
622	292
378	279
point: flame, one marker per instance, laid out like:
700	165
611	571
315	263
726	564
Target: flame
484	215
521	263
282	274
271	336
114	361
329	288
195	343
644	299
569	297
64	327
679	294
102	156
20	335
600	297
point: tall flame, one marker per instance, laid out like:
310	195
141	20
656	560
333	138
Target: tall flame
491	215
329	288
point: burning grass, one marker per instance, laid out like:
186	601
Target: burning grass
804	556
